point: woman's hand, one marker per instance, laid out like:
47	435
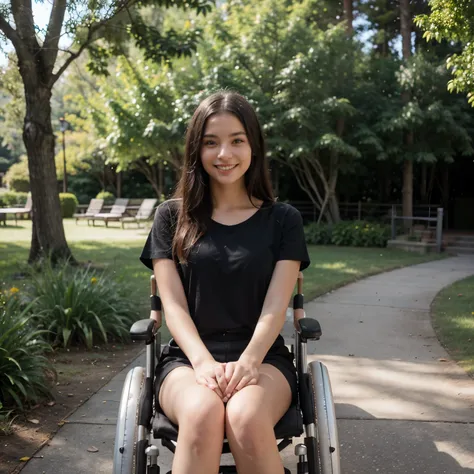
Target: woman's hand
210	373
239	374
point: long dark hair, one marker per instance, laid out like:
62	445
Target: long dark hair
193	186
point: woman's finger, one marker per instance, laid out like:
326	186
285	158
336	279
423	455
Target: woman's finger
220	378
229	371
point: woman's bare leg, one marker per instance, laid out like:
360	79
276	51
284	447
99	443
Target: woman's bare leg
199	413
251	415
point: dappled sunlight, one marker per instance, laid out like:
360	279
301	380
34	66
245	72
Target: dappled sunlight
339	266
464	457
400	390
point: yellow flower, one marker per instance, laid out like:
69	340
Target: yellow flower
93	280
14	290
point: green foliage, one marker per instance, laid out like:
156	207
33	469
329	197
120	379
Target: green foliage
108	198
17	177
81	306
68	204
13	199
348	233
24	369
453	20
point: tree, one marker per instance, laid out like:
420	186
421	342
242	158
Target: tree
453	20
406	32
101	28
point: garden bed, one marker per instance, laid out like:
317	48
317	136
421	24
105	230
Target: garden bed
80	373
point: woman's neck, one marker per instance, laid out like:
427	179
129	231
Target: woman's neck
230	198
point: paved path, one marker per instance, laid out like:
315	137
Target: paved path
400	409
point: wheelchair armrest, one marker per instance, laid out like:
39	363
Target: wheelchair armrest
142	330
308	329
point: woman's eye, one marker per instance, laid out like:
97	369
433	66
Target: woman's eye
238	140
209	142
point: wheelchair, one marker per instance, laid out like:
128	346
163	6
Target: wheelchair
313	414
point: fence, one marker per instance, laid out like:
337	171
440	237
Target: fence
438	219
371	211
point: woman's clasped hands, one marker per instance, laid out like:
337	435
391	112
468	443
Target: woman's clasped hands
227	378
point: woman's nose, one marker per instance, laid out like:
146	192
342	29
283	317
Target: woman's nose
225	151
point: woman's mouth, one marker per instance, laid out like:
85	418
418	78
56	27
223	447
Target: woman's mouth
225	167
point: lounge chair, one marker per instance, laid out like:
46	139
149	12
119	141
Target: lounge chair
95	206
144	213
18	211
115	214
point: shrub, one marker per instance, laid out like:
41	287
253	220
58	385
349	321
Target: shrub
17	176
348	233
13	199
68	204
24	369
80	306
318	234
108	198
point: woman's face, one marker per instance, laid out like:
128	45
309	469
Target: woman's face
225	150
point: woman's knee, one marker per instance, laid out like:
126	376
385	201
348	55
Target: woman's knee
247	425
201	417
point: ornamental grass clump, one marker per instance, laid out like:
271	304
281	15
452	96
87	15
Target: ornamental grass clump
80	306
25	371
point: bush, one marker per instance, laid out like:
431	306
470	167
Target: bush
348	233
79	306
24	369
17	177
318	234
13	199
68	204
108	198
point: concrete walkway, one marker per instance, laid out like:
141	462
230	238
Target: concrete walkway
400	408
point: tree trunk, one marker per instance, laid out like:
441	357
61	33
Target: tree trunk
424	183
48	238
405	28
119	184
348	16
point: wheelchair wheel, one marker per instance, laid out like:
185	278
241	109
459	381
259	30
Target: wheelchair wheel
126	457
326	425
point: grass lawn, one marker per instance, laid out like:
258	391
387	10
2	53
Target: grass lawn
453	320
119	249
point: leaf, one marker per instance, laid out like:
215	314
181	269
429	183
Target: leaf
34	421
25	458
92	449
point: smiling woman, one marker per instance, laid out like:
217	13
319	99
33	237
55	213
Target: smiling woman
226	257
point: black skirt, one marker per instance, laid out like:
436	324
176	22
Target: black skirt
227	347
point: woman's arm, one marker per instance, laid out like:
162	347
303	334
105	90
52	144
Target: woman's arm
208	372
245	371
274	309
175	306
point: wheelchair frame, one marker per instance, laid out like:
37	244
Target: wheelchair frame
318	454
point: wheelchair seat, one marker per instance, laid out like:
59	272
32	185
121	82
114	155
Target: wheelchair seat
289	426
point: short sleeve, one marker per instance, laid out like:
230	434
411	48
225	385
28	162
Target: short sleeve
159	243
293	242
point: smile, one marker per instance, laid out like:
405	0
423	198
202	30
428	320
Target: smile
225	167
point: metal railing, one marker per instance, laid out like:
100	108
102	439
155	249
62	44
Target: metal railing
373	211
438	219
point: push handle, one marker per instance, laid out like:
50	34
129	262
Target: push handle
155	301
298	301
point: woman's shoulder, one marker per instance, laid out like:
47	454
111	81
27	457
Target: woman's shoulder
168	210
284	210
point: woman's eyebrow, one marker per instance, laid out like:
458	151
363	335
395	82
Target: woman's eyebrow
210	135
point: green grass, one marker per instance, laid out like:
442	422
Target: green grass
331	267
453	320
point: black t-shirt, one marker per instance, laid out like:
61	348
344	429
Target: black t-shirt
230	268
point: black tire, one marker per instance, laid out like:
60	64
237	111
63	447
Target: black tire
126	435
325	455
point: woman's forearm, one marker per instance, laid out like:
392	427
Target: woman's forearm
184	332
267	330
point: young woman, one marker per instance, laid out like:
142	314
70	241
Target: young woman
226	258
